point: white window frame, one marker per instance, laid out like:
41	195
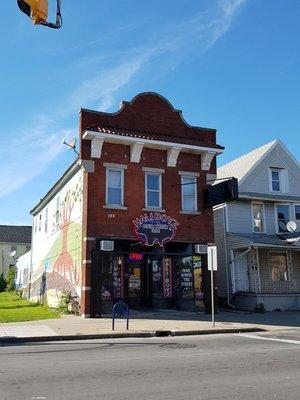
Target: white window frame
263	216
296	205
276	217
279	170
194	177
115	169
160	190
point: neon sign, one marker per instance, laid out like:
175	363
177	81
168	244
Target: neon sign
135	257
155	228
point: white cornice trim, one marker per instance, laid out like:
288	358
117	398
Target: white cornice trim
128	140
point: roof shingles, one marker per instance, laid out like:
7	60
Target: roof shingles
15	234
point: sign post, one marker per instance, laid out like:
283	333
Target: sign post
212	266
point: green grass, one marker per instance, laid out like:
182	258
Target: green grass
15	309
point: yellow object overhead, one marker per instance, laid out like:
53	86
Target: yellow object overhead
37	10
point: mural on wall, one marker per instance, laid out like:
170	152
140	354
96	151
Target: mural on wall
56	265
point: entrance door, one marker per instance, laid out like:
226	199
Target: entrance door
241	272
135	284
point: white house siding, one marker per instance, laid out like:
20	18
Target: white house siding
56	253
239	217
23	272
259	182
219	239
269	221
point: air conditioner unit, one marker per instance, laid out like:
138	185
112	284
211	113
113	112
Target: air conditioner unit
200	248
107	245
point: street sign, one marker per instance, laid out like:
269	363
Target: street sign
212	261
212	266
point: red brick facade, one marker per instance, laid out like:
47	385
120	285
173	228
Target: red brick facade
148	113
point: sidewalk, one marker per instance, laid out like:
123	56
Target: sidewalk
147	324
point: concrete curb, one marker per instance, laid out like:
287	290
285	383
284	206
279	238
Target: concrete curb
148	334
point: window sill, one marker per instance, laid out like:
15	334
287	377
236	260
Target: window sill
153	209
189	212
114	207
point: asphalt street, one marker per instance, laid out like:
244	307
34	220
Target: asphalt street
230	366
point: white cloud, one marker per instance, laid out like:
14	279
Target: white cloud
28	154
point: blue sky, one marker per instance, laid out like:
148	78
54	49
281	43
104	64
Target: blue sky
232	65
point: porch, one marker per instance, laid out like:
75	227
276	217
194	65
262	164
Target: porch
266	276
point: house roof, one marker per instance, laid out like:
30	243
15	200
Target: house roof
15	234
266	196
263	240
242	165
195	141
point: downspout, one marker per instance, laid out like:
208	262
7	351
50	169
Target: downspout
226	258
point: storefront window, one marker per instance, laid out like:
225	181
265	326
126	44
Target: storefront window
157	278
117	268
198	284
187	278
278	264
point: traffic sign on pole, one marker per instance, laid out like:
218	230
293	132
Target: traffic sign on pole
212	262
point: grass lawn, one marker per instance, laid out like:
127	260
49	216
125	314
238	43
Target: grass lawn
14	309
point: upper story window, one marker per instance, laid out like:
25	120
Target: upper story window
46	220
57	211
297	212
40	222
275	175
258	217
189	193
153	190
282	216
115	186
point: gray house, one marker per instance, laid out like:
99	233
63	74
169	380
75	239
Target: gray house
258	236
14	241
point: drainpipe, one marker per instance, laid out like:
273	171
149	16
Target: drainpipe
226	257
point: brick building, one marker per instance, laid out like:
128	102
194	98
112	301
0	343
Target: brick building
123	221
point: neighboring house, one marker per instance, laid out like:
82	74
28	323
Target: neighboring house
14	241
123	220
259	260
23	273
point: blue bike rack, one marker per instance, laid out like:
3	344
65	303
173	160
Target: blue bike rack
121	309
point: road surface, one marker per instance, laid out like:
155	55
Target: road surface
230	366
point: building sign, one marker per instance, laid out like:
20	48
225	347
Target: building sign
118	277
167	278
135	257
155	228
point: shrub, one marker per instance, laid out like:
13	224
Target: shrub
11	279
64	301
2	283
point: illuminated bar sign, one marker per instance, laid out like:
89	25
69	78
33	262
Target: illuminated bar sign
155	228
135	257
